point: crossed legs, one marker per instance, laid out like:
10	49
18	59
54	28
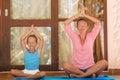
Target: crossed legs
95	69
20	73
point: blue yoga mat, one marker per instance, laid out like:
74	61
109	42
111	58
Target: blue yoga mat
27	79
66	78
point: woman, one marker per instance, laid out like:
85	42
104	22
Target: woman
82	62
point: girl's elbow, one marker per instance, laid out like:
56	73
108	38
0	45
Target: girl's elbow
21	38
42	40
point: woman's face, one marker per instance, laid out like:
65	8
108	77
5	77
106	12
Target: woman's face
32	43
82	26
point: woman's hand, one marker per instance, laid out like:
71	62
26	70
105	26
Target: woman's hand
82	12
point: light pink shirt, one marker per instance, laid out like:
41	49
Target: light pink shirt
82	56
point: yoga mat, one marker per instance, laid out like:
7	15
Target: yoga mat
66	78
27	79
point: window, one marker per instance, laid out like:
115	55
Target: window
48	17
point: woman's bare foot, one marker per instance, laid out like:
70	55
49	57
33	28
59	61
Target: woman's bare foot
82	76
76	76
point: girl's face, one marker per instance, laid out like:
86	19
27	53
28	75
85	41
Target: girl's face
82	26
32	43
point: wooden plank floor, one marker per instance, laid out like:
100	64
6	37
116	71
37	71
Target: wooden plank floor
115	76
8	76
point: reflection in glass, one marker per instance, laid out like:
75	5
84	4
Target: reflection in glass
30	9
16	50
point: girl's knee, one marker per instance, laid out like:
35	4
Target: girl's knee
43	73
13	71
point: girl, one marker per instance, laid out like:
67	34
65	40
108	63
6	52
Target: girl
31	56
82	63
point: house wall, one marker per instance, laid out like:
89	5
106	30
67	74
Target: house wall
113	31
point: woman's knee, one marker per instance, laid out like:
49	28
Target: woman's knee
104	63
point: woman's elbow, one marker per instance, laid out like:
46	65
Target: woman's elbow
98	22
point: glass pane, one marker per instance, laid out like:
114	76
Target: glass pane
67	8
65	44
16	50
92	7
30	9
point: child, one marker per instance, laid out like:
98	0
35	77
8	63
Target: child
82	63
31	56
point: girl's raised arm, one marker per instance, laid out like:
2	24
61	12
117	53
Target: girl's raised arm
22	39
40	43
